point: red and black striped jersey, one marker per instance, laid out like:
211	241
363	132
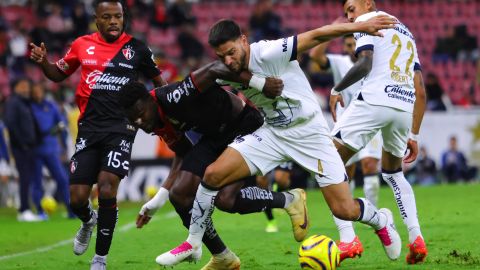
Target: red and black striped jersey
105	68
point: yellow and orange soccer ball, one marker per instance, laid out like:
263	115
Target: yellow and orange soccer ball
319	252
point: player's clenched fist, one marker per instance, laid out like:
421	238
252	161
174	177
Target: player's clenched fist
38	54
273	87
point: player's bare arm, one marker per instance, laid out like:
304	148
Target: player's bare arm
159	81
319	53
205	77
418	112
361	68
39	56
325	33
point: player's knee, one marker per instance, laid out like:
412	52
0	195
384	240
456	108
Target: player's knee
78	198
213	177
106	190
225	202
179	199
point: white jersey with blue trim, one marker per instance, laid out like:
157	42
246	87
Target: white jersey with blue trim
395	58
298	103
339	65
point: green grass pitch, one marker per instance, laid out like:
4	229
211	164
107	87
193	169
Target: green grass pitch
449	215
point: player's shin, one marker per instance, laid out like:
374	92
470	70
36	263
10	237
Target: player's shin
84	213
371	186
202	210
254	199
107	219
405	199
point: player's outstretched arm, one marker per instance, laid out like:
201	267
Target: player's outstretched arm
312	38
359	70
39	55
158	201
418	112
206	76
319	53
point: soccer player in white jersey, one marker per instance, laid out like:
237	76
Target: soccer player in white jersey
339	64
294	129
391	100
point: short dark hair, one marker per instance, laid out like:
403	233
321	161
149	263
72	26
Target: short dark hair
96	3
130	93
223	31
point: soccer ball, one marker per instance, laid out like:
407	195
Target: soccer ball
318	252
49	204
151	191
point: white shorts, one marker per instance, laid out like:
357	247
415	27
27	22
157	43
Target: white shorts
372	150
361	121
308	144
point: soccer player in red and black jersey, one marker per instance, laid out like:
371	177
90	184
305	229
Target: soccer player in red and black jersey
109	58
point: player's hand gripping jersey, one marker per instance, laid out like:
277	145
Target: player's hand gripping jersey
105	68
395	57
298	103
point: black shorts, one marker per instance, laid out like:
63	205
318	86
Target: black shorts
210	147
98	151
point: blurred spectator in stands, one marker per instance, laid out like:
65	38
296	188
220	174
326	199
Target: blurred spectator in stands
264	23
180	13
169	69
159	16
80	20
3	43
425	169
454	164
18	45
457	44
39	33
59	27
24	136
435	93
51	124
192	50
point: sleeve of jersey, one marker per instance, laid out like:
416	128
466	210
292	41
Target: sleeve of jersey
417	65
364	41
70	62
280	51
147	65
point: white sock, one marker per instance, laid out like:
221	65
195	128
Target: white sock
371	185
369	215
201	212
403	194
345	230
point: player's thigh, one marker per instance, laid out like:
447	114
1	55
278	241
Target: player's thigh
202	154
86	162
259	152
228	168
358	125
395	136
116	153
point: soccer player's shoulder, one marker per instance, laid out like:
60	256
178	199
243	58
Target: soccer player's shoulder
367	16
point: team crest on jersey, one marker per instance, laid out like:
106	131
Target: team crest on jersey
128	52
62	65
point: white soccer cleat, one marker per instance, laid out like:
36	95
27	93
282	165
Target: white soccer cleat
389	236
28	216
82	238
297	210
223	261
99	263
184	252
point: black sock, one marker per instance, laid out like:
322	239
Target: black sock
84	213
211	239
254	199
269	214
107	219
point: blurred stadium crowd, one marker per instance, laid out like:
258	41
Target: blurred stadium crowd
177	31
